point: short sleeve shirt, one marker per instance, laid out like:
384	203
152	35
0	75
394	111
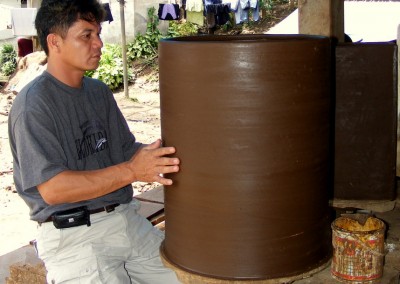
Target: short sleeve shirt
54	127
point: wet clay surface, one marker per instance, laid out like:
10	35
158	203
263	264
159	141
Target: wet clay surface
249	117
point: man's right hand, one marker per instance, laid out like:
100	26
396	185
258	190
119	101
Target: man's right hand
151	161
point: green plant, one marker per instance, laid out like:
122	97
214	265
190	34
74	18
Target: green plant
176	29
269	5
8	68
266	5
111	69
229	24
8	59
146	46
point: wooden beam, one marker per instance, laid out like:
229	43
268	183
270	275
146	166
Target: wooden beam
322	17
379	206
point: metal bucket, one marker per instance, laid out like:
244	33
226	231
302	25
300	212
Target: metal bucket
250	119
358	250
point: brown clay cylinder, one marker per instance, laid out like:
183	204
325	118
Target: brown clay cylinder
250	119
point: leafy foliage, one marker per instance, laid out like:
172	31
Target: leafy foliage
269	5
111	69
146	46
8	59
176	29
143	48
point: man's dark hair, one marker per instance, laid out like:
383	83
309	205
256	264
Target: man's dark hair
57	16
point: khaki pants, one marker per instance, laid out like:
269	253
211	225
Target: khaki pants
119	247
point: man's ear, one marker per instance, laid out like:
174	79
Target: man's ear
53	41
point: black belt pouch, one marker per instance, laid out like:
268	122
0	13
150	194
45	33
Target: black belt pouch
71	218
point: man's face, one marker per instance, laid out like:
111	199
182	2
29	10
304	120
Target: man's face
81	47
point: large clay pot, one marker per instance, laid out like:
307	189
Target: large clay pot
250	119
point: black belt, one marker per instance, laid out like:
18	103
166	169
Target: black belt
108	209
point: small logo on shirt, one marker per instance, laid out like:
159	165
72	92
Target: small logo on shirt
93	140
100	143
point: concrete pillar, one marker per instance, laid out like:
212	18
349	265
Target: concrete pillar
322	17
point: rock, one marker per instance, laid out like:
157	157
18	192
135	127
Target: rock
38	58
29	67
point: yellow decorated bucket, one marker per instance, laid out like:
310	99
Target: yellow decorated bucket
358	249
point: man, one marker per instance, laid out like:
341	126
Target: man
75	160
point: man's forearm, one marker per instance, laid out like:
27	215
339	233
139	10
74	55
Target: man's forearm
148	164
74	186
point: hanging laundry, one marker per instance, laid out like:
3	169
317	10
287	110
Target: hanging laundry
241	15
217	12
241	8
232	3
253	3
109	16
194	5
195	17
195	12
210	12
210	2
223	16
211	20
256	13
255	9
23	21
168	12
184	8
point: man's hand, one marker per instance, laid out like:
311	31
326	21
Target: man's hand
148	164
152	161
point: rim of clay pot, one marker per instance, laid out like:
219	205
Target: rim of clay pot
246	37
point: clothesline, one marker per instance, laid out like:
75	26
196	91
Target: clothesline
212	12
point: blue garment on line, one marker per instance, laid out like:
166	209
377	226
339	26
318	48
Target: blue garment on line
168	12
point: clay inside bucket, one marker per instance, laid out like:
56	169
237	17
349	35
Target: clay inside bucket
352	225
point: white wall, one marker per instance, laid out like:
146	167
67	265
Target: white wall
5	19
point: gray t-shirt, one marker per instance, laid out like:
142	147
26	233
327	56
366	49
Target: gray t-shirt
53	128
